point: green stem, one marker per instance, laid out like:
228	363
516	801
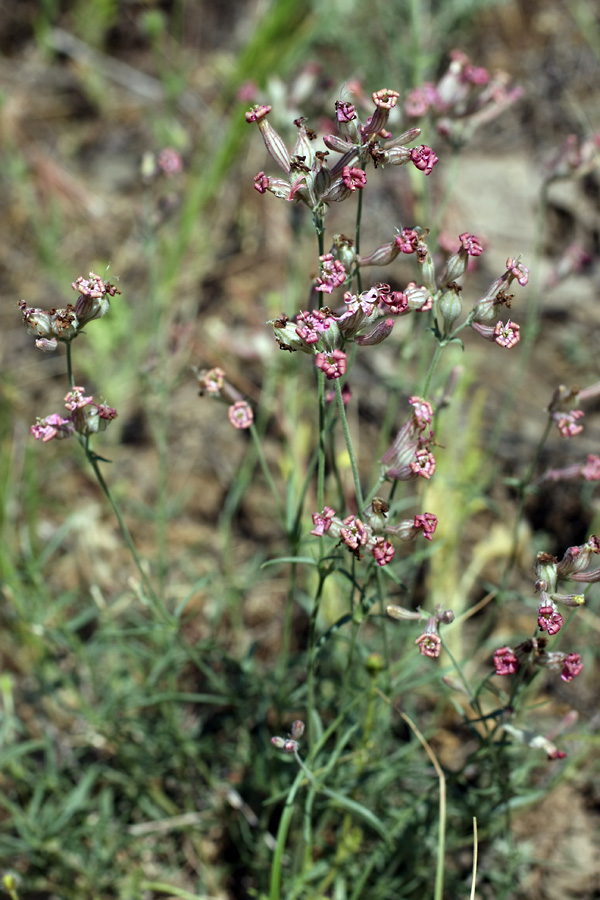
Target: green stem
171	889
70	366
282	833
357	239
267	473
322	437
526	481
432	367
150	592
349	447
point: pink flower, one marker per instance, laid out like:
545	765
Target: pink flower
385	98
429	642
572	667
211	381
408	240
53	426
420	99
516	268
258	112
169	161
424	463
426	522
344	112
333	364
261	183
505	661
566	422
322	521
470	244
591	469
240	414
507	335
75	399
383	551
333	274
423	158
311	325
354	533
354	178
549	618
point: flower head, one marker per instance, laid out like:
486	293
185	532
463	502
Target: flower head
505	661
240	414
429	642
333	364
549	618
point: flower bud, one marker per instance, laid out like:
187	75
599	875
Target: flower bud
418	298
450	307
297	730
379	333
287	337
403	615
343	249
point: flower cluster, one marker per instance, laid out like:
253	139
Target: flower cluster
549	571
366	319
290	744
574	158
85	417
464	98
563	408
308	175
588	471
214	383
369	534
49	326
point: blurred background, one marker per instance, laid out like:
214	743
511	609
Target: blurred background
129	759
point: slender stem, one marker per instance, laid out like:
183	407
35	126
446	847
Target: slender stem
151	593
282	832
432	367
441	847
267	473
70	366
322	436
522	500
349	447
357	239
